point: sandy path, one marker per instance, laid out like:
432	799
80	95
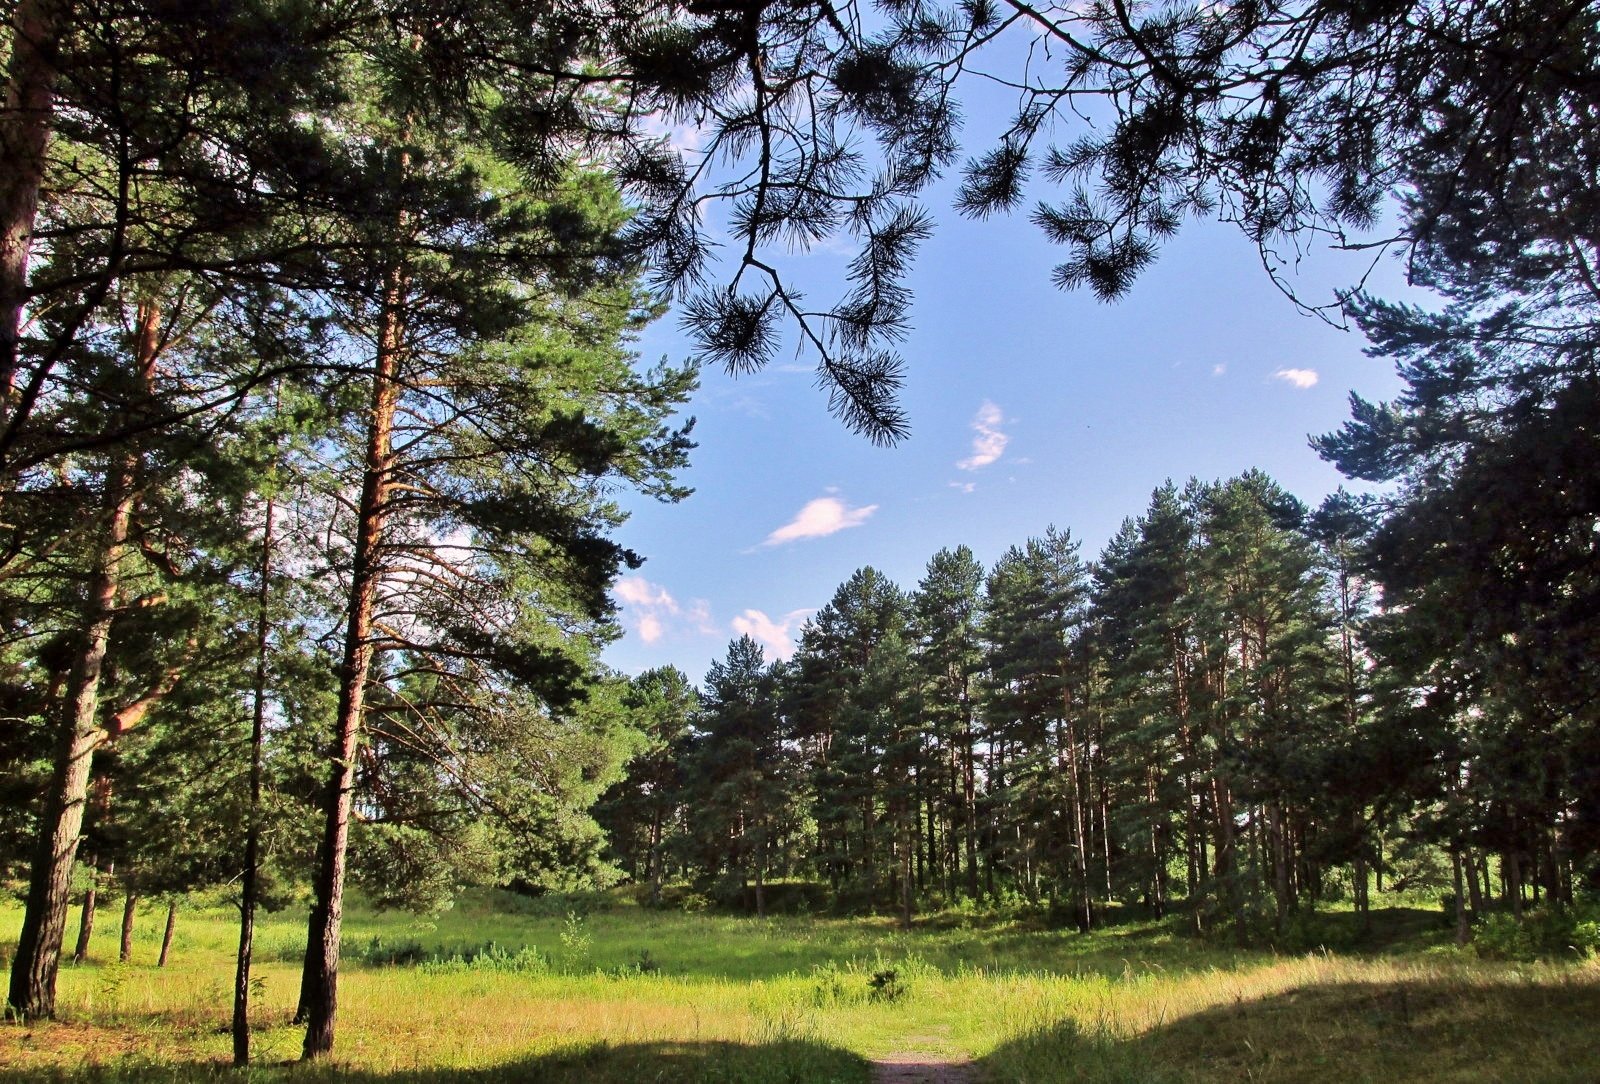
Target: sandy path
920	1067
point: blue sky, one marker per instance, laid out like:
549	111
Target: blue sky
1029	407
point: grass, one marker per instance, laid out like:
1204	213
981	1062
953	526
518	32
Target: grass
626	994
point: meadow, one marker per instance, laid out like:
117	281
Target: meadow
571	990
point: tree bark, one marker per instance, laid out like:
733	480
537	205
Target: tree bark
38	959
1462	927
166	935
24	133
130	904
80	952
248	887
320	983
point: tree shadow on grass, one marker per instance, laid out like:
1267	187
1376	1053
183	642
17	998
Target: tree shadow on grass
790	1061
1475	1028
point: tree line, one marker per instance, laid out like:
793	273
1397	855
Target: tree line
1219	715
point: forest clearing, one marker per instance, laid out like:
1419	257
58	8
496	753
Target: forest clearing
1208	694
624	993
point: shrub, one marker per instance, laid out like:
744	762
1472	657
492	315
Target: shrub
1547	931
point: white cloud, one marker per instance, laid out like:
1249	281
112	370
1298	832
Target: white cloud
684	137
989	443
638	591
1218	370
820	518
652	612
699	618
1300	378
778	637
965	487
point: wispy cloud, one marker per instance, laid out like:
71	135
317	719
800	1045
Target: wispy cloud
778	637
965	487
652	612
1218	370
988	442
1300	378
819	519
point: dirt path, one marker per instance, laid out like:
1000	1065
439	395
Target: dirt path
920	1067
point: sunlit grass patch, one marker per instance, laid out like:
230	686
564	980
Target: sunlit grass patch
589	993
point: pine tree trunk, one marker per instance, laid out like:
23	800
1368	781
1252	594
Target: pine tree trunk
38	959
249	883
655	858
1080	851
906	850
1462	928
1474	883
761	874
166	935
130	905
320	984
969	808
25	127
80	953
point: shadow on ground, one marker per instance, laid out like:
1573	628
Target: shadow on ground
787	1062
1475	1029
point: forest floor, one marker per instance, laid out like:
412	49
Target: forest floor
595	991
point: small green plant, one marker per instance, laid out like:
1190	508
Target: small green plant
491	957
886	986
644	963
829	986
576	941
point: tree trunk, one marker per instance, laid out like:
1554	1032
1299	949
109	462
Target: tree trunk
38	959
761	874
1462	928
33	972
130	905
24	132
969	802
1474	884
320	985
905	878
1080	845
655	858
166	935
80	953
249	883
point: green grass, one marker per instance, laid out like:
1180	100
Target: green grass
791	999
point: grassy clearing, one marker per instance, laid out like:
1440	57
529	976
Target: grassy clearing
625	994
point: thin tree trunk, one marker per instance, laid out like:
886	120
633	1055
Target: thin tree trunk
320	990
1462	928
248	888
1474	884
166	935
905	876
1080	851
130	905
655	858
80	954
24	132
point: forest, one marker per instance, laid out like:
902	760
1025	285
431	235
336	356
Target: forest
320	405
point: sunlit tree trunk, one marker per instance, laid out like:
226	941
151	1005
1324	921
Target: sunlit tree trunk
130	907
166	934
320	981
24	132
248	888
38	959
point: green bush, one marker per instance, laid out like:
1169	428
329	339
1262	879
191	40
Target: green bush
1544	932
